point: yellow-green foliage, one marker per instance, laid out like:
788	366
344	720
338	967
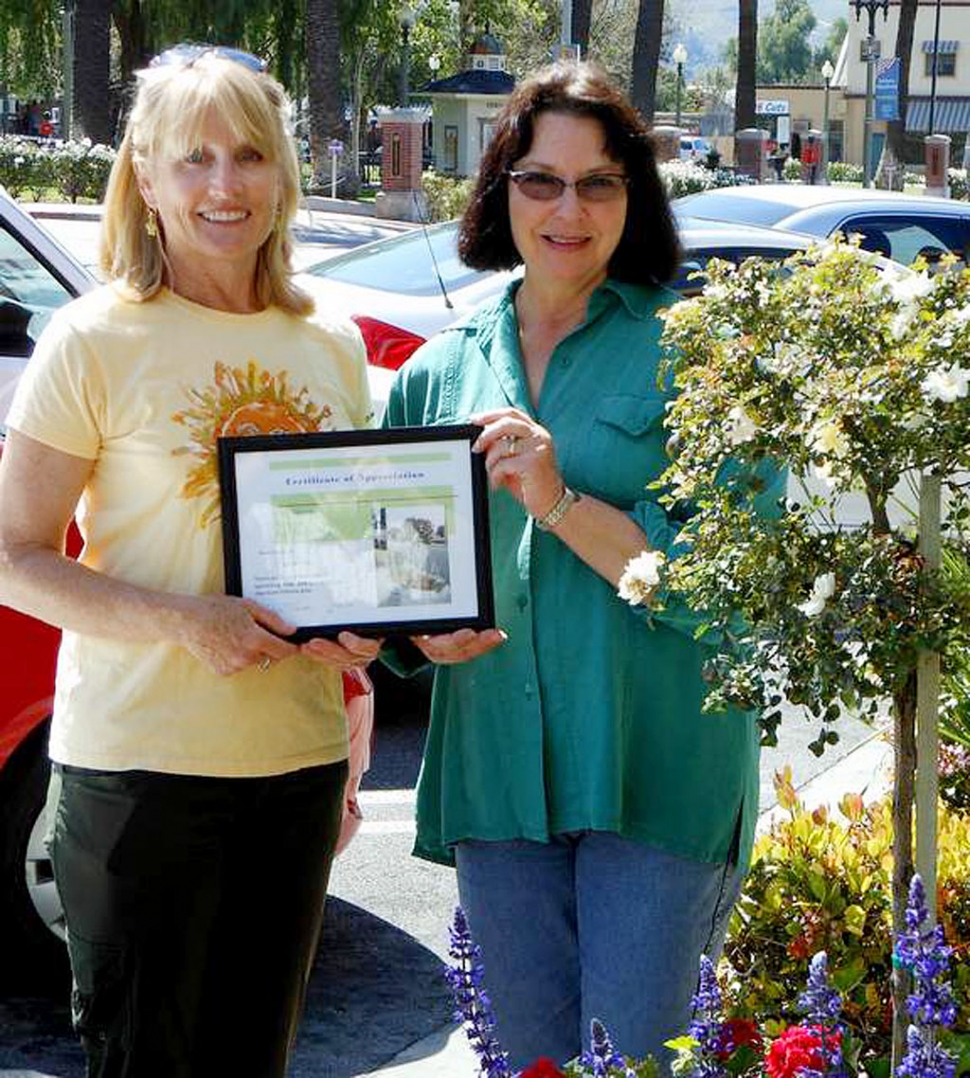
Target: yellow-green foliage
822	882
447	196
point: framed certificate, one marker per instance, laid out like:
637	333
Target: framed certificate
376	531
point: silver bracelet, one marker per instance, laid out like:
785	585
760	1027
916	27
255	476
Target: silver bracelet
559	510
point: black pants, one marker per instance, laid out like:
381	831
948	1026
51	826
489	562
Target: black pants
193	908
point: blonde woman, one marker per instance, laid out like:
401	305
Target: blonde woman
199	756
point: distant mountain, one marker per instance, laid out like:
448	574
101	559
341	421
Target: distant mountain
707	25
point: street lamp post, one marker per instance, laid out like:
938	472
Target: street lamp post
827	72
936	60
870	7
680	58
406	19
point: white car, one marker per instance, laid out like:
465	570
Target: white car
694	148
402	290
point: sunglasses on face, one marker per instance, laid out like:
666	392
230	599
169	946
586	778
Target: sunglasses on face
187	53
547	187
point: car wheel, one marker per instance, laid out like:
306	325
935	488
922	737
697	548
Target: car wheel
31	918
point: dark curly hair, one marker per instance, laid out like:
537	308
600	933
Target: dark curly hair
648	250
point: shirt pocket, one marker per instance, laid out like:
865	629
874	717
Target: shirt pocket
626	447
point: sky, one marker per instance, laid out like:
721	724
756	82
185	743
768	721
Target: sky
708	24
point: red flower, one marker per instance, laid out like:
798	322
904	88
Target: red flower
542	1068
736	1033
799	1048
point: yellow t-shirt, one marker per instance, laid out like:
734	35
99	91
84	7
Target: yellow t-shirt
144	389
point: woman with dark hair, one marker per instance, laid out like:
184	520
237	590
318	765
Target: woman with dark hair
597	819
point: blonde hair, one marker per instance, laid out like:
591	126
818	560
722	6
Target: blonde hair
172	104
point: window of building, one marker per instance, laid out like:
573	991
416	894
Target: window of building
946	64
396	154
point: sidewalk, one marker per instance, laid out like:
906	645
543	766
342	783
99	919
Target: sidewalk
866	768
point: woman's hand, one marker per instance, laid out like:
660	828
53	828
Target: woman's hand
521	458
229	634
347	652
460	646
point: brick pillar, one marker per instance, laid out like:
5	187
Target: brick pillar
400	197
937	149
751	152
666	142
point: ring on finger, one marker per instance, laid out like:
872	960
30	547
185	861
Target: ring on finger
265	663
512	444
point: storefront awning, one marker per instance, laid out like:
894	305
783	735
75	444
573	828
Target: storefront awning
951	114
945	46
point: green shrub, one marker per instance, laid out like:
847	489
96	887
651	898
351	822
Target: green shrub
72	170
447	196
821	883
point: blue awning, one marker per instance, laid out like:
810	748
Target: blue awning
945	46
951	114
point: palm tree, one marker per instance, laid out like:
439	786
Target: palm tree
582	17
895	135
323	80
91	113
646	56
745	95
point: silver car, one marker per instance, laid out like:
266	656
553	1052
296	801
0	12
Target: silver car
893	224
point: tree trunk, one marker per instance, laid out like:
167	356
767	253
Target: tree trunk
582	17
895	136
129	24
646	57
323	81
91	116
746	94
904	753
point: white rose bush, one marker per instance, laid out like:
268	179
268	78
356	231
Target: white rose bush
852	374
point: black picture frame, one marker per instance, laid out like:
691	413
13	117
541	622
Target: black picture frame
381	532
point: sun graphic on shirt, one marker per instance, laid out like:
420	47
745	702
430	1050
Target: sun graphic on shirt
240	402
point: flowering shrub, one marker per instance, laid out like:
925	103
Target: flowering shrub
843	371
75	169
446	196
821	882
688	177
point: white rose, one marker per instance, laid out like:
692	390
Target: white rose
823	588
945	384
828	439
740	427
641	577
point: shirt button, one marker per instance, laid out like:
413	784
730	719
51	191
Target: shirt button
566	361
522	602
528	690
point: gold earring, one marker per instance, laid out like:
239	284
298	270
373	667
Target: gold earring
151	223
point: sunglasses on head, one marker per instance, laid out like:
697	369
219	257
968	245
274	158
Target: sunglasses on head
187	53
547	187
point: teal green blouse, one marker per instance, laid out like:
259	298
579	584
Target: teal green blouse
589	716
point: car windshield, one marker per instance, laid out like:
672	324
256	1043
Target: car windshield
720	207
404	264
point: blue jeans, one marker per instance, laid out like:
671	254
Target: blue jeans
591	925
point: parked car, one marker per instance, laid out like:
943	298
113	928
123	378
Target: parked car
694	148
400	291
896	225
403	289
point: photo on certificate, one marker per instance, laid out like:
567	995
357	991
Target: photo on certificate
382	531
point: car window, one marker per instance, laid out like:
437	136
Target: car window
695	261
903	239
403	264
29	294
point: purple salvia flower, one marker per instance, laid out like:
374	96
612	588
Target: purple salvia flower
602	1057
823	1004
921	949
706	1026
473	1006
